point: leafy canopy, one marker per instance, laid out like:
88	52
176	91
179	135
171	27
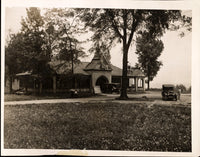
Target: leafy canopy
119	26
34	39
64	28
148	49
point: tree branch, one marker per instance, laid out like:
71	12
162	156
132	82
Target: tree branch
113	22
134	25
125	26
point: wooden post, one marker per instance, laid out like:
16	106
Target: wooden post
10	84
34	86
40	87
91	86
143	84
136	84
75	81
54	84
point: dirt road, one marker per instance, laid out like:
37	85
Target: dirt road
148	98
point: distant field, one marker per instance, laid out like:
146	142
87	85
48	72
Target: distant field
99	126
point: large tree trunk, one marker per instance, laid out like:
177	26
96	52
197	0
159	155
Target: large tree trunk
10	84
123	94
148	84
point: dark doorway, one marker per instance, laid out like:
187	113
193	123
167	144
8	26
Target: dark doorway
101	81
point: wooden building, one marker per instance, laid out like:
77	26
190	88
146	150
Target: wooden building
86	76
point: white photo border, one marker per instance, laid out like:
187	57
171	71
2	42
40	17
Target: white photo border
193	5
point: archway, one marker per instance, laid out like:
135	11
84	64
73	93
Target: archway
101	81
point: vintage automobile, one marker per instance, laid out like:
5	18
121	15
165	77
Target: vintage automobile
169	92
111	88
22	91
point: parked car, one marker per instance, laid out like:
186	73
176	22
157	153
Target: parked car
73	93
170	92
22	91
111	88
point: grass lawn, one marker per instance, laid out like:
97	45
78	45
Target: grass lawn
98	126
15	97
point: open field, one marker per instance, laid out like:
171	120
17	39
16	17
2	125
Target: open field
147	125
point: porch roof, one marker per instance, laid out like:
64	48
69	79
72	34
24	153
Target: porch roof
27	73
131	73
64	68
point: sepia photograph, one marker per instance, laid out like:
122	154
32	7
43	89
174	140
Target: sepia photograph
97	78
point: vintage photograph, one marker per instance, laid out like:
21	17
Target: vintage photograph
98	79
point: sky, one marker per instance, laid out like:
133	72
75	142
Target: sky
176	56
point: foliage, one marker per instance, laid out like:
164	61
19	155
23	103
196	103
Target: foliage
184	24
13	55
148	50
120	25
182	87
189	89
33	38
14	58
64	29
40	38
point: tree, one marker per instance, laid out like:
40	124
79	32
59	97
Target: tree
182	87
33	37
148	49
67	29
40	38
14	58
189	90
120	25
34	41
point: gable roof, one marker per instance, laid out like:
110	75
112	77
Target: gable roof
99	63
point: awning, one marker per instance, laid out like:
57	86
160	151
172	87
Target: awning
27	73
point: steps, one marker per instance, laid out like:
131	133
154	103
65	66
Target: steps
97	90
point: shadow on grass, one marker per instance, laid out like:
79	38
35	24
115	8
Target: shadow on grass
143	98
15	97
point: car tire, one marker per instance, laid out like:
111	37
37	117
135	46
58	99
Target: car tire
175	98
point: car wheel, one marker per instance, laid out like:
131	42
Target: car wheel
175	98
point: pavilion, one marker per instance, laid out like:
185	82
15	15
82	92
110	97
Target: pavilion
86	76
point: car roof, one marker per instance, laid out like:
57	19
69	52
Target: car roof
168	85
